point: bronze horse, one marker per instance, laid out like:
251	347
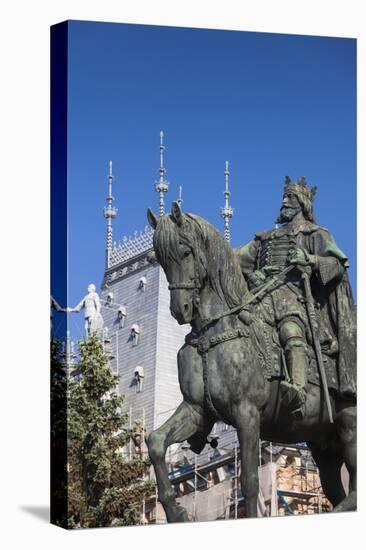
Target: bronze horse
220	374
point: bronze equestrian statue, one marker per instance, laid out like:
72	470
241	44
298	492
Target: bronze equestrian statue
271	353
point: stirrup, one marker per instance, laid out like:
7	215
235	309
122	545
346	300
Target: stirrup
293	398
299	413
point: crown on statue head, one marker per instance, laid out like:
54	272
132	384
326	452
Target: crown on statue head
300	187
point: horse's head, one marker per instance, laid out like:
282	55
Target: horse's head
193	255
175	251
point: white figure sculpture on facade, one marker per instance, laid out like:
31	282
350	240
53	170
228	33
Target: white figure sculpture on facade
93	318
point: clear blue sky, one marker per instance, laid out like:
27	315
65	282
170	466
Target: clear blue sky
270	104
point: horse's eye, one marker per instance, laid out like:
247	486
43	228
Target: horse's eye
186	253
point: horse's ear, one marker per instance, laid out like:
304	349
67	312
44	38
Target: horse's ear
177	214
151	218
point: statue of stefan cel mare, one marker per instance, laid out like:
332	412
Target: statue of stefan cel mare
272	350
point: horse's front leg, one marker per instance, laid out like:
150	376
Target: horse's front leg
346	423
248	434
178	428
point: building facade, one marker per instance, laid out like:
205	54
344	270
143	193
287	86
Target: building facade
142	337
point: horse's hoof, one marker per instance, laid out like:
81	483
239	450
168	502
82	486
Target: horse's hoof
181	515
349	504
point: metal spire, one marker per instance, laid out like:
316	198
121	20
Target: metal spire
162	185
180	200
68	355
227	212
110	212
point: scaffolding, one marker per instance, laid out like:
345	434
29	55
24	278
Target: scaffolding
208	485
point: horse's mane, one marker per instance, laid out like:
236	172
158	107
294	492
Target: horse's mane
216	259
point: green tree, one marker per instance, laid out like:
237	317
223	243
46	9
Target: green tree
58	437
103	487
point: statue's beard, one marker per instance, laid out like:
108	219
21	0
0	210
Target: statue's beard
287	214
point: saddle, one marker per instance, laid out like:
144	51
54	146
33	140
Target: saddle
272	359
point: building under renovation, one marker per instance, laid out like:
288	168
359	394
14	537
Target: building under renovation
208	485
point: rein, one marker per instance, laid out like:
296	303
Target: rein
195	284
275	281
204	343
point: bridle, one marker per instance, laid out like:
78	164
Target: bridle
186	286
194	283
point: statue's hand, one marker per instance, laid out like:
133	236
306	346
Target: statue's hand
299	256
70	310
256	279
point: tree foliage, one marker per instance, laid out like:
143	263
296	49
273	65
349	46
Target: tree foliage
104	488
58	437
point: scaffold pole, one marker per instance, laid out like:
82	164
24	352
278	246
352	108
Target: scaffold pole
195	488
236	484
130	441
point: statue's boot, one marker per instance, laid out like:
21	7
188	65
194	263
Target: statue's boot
293	398
294	392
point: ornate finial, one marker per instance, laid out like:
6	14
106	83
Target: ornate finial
227	212
180	200
110	212
162	185
68	354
